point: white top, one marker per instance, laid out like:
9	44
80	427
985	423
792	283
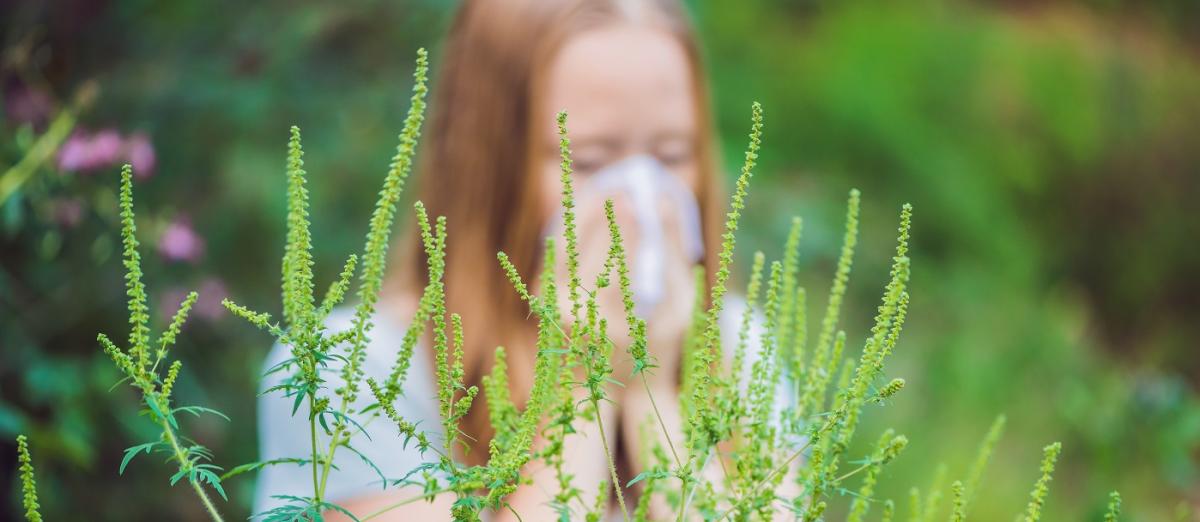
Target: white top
284	435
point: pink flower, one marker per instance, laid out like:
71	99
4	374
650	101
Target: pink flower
179	242
86	152
140	154
73	154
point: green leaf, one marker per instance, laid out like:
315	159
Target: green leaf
339	509
133	451
211	478
648	474
257	465
296	403
197	410
178	475
368	461
152	402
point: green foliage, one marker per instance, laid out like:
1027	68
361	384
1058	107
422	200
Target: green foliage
29	497
1037	498
960	502
983	456
313	349
135	362
984	115
805	446
1114	507
703	425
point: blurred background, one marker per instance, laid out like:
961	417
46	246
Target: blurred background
1051	150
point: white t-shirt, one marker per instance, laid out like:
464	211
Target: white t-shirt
284	435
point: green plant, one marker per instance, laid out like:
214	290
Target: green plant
28	484
141	363
772	463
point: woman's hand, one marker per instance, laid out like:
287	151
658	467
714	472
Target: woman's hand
667	319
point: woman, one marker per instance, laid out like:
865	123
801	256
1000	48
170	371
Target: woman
628	73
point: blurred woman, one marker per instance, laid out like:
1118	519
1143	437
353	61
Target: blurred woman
628	73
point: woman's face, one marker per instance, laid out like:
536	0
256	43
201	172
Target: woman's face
627	90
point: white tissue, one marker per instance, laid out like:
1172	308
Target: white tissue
644	182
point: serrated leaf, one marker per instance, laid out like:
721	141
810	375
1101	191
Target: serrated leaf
368	461
133	451
257	465
152	402
197	410
296	403
178	475
339	509
210	477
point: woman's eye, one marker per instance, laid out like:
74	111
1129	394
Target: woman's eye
675	151
589	160
586	166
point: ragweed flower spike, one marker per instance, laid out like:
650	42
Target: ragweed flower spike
821	369
889	511
888	322
167	338
1114	507
374	256
983	456
788	302
736	409
934	500
139	317
914	504
703	427
501	411
297	255
1037	498
893	387
29	498
637	327
960	502
702	423
569	232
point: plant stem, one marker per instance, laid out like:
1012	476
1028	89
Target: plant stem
325	466
612	464
186	463
687	497
404	502
312	432
666	431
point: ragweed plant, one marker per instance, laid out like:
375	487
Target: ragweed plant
142	363
29	497
314	349
767	431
